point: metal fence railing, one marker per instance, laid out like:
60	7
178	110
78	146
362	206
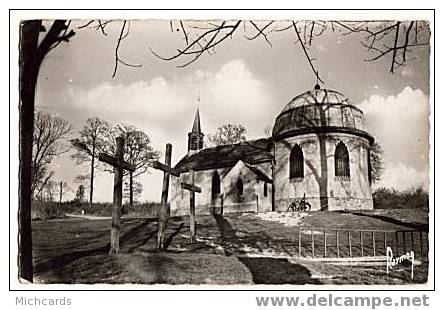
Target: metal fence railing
329	243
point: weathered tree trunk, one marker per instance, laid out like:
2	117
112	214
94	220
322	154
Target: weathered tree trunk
117	199
29	67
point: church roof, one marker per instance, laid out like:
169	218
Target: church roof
317	96
320	110
223	156
259	173
196	124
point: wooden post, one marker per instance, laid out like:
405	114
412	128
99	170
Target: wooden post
325	243
119	164
117	199
300	242
420	244
362	243
404	248
312	245
167	171
385	240
192	210
257	203
193	189
350	243
374	244
164	199
396	243
412	238
337	243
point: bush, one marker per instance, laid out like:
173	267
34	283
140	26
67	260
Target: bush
384	198
46	210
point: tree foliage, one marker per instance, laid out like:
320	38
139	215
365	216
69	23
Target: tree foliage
80	193
48	142
228	134
376	162
89	145
92	140
138	150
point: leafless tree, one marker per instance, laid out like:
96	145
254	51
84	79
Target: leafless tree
394	39
138	151
228	134
50	132
89	145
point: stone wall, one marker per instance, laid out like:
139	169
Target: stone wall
319	173
253	199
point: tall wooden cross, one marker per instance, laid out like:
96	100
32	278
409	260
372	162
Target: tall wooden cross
167	171
193	189
119	165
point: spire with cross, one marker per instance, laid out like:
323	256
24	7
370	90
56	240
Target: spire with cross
195	137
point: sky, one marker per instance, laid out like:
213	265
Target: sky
243	81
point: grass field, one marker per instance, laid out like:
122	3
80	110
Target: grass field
233	249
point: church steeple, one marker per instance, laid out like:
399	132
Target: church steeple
195	137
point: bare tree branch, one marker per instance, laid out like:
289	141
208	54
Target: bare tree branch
260	32
204	42
306	54
118	60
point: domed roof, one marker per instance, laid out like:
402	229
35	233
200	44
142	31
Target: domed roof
317	96
320	110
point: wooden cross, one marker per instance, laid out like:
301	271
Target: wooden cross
119	165
193	189
167	171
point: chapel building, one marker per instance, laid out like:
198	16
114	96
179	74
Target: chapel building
319	149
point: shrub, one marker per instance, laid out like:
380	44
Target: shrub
46	210
384	198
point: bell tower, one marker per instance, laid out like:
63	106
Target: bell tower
195	137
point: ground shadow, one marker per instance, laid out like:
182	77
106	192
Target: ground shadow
227	232
267	270
416	226
172	235
55	263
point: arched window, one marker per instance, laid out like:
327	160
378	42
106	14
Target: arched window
296	162
215	186
342	162
239	187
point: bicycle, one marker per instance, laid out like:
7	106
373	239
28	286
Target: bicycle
302	206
